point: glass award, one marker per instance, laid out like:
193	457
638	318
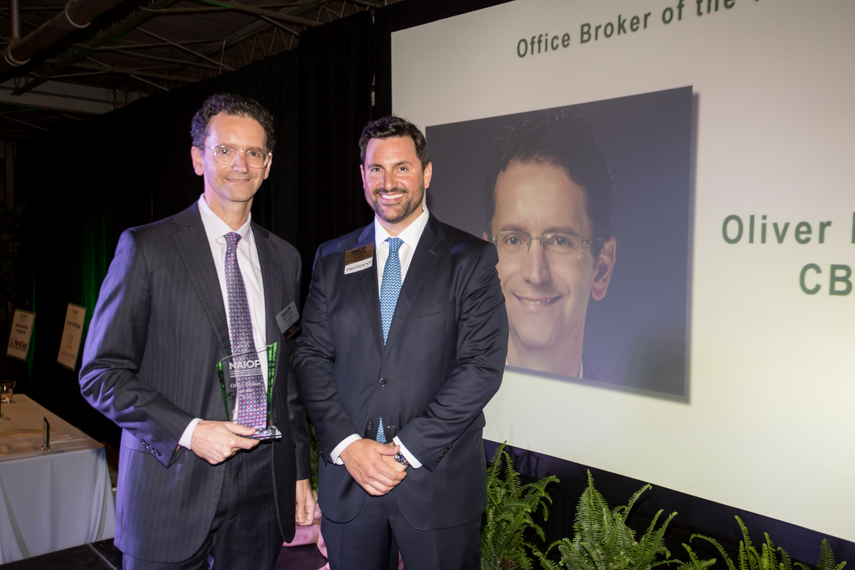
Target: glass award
246	395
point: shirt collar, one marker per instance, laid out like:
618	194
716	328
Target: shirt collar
216	228
410	235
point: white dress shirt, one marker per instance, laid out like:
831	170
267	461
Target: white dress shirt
410	236
250	268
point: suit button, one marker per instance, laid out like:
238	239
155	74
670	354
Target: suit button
369	426
383	381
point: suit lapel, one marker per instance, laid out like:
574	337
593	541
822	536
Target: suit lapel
192	244
272	295
423	260
370	289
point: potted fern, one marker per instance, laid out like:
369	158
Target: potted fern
603	541
510	506
766	558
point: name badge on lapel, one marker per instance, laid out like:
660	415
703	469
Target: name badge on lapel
359	258
289	321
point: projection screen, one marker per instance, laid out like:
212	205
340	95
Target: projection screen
718	359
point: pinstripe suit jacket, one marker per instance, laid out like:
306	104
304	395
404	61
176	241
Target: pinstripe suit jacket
158	330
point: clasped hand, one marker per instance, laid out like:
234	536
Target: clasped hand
372	464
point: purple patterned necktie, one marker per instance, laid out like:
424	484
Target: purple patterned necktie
251	392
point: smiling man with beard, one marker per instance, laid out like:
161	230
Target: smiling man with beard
404	343
549	198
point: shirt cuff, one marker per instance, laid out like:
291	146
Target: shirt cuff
187	436
414	463
336	452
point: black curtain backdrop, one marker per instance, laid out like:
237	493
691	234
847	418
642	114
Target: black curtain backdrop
84	185
336	73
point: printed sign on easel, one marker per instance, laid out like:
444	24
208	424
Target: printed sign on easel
72	333
21	334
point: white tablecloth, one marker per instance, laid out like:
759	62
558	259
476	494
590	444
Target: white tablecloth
50	500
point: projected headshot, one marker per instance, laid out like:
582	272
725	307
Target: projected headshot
548	202
558	190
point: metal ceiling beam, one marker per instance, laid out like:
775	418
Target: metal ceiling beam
368	3
58	97
280	26
78	53
128	70
160	58
32	9
129	46
147	81
285	17
218	8
185	48
4	116
258	28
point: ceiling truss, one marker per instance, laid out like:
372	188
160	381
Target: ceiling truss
147	46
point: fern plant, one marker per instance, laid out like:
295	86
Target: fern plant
767	558
826	559
510	506
603	541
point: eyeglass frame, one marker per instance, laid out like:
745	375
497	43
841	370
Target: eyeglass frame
267	155
582	243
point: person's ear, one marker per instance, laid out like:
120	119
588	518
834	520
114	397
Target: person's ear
603	269
196	156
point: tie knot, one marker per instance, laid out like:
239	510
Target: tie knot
394	244
232	239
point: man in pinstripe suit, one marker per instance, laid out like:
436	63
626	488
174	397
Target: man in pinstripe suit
193	493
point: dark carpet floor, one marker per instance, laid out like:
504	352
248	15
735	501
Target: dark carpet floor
104	556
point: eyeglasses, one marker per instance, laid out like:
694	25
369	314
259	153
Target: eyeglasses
226	155
516	244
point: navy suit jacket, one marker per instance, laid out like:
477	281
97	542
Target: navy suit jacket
157	332
443	361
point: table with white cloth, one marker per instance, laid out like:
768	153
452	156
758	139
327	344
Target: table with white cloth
50	499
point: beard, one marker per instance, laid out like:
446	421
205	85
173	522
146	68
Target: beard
399	213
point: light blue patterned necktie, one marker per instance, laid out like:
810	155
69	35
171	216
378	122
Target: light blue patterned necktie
390	288
252	395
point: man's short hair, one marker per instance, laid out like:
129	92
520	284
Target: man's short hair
564	140
390	127
230	105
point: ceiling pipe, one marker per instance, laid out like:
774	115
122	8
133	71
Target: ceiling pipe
77	14
15	20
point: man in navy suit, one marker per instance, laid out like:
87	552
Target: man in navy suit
404	343
192	491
